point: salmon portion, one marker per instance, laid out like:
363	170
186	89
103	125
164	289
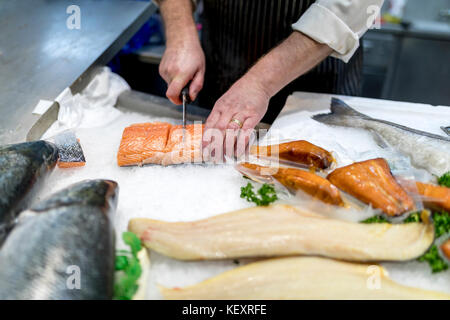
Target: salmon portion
300	151
445	247
159	143
371	182
188	150
296	179
65	165
434	196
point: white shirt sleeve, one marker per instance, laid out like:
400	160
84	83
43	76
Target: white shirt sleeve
339	23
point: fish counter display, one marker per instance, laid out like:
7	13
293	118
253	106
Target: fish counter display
199	219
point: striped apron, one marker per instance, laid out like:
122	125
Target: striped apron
236	33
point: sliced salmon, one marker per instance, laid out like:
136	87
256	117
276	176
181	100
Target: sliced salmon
143	143
184	150
159	143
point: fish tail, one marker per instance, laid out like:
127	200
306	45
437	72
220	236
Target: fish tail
338	110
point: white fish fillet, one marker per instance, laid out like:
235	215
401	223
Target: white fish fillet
282	230
426	150
301	278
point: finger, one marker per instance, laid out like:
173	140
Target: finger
224	120
163	73
214	150
209	124
240	117
245	135
232	133
196	84
250	123
174	89
229	143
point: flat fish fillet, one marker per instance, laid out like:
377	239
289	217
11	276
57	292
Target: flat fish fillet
282	230
301	278
159	143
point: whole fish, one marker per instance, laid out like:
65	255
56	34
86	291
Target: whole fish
21	167
426	150
63	247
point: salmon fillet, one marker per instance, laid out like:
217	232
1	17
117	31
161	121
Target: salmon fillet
159	143
187	151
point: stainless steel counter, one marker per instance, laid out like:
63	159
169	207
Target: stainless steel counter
40	56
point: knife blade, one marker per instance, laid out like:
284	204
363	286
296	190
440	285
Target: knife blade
186	99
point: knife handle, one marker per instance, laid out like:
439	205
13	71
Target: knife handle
185	92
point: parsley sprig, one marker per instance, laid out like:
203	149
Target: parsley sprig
264	196
441	227
128	268
444	180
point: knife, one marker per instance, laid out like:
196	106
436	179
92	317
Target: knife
186	99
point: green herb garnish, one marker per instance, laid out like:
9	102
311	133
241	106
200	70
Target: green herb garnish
437	264
376	219
444	180
441	227
264	196
128	268
413	217
441	223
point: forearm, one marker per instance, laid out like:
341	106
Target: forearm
178	20
292	58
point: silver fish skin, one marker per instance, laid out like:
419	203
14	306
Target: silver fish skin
426	150
63	248
22	167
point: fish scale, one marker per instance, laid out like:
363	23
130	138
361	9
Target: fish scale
69	234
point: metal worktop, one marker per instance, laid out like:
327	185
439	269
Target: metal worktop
40	56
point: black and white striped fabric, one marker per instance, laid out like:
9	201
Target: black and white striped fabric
236	33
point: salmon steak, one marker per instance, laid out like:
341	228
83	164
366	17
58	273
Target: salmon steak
160	143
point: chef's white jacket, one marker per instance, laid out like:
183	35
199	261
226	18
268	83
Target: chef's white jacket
339	23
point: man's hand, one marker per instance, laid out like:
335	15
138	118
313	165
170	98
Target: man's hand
245	102
182	62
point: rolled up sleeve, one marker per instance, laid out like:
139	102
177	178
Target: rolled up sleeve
339	23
